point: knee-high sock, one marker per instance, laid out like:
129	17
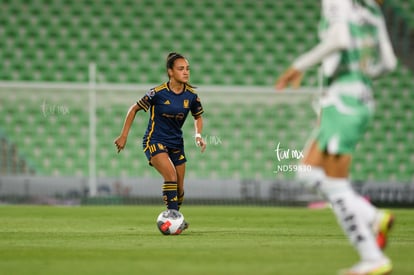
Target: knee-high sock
169	192
367	210
345	203
311	178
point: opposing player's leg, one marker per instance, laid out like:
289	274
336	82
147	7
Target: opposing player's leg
383	267
337	138
313	158
380	221
351	210
359	233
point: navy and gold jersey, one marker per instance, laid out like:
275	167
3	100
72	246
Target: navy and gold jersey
168	112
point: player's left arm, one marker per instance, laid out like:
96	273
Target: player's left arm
198	129
197	111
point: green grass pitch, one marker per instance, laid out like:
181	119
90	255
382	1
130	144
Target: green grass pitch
220	240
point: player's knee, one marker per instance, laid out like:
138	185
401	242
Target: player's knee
311	178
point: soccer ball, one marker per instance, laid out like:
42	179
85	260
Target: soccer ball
170	222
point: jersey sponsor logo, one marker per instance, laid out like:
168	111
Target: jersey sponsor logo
179	116
167	102
186	103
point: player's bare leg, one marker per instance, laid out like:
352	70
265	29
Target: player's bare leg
164	166
313	158
313	155
180	187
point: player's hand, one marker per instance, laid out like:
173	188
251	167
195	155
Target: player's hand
201	143
291	76
120	142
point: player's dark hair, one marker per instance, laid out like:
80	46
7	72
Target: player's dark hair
171	59
170	62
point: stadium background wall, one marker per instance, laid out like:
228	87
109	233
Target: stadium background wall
59	116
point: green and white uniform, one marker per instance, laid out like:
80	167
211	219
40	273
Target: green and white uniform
354	48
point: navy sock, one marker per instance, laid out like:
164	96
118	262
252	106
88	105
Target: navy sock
169	193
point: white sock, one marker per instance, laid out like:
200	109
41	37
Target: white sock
346	205
312	177
366	209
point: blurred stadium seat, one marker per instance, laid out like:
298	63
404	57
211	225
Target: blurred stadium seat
228	43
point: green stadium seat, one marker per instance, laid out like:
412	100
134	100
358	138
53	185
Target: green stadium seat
227	44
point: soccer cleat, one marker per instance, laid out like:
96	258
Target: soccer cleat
382	267
382	227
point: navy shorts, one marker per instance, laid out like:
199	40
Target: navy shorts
176	155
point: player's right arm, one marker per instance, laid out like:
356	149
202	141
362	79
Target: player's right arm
387	61
121	140
143	104
336	39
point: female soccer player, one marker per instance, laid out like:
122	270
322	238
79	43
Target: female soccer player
354	48
163	144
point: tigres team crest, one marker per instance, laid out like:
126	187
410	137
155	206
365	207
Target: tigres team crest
186	103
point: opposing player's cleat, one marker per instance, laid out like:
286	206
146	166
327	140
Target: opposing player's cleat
382	267
382	227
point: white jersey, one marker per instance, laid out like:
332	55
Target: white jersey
365	28
354	43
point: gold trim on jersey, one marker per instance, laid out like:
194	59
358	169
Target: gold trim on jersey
152	148
165	86
152	128
142	104
161	87
199	113
190	89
